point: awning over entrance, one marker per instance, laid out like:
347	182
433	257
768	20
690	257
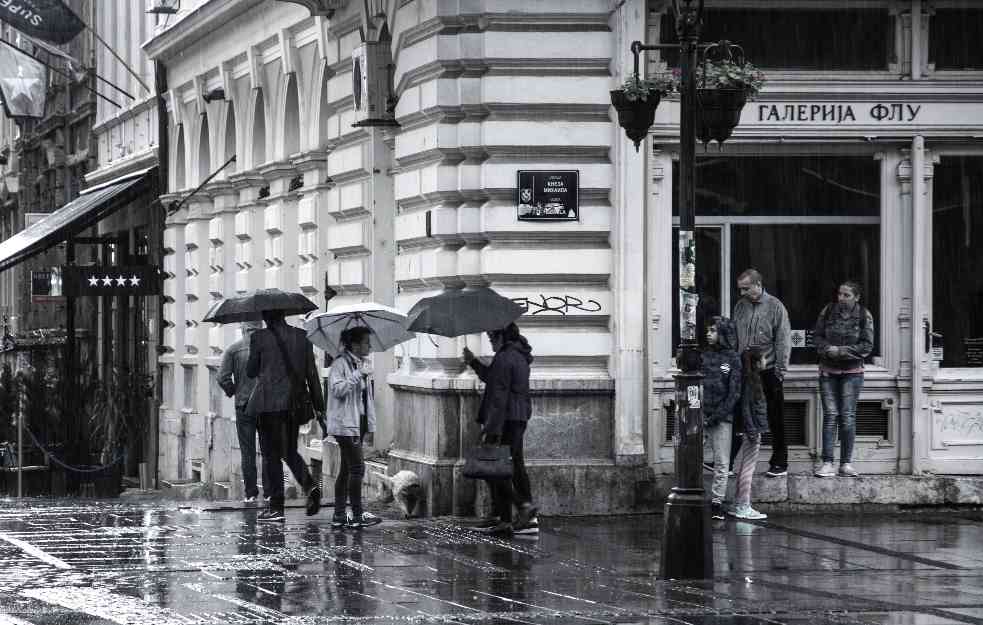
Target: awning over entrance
81	213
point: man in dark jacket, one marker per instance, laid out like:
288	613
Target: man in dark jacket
271	403
233	380
721	392
503	415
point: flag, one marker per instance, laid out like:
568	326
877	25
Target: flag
50	20
23	82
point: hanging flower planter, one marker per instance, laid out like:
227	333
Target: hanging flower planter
636	102
718	114
726	86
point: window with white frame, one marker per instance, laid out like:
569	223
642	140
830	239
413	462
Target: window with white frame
807	223
957	264
190	387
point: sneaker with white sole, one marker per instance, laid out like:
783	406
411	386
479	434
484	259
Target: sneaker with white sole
847	470
826	470
776	472
526	529
249	500
747	513
271	515
366	520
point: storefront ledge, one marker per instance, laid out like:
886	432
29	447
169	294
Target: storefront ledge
886	489
469	383
963	374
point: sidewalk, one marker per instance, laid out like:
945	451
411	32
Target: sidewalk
93	563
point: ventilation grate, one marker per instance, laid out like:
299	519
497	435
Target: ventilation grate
795	424
873	419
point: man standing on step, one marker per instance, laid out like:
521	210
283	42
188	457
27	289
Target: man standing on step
762	322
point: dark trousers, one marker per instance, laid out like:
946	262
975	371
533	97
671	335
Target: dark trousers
351	471
246	432
517	490
278	443
775	398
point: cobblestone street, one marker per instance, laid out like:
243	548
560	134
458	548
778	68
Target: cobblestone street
112	563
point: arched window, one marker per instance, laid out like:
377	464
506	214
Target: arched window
204	151
230	137
291	119
180	181
259	131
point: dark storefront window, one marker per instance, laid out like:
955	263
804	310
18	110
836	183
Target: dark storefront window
953	41
806	223
799	39
787	186
803	266
957	264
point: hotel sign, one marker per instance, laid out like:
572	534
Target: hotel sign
108	280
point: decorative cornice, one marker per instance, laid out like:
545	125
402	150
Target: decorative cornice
200	23
320	8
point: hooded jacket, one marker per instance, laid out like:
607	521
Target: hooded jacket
346	401
506	379
721	376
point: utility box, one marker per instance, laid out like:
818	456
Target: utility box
372	84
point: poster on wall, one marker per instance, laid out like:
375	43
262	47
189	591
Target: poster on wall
548	195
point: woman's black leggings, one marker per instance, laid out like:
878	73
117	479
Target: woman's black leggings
348	484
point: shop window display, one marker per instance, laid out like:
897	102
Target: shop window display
807	223
957	264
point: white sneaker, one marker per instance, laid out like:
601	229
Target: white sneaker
847	470
249	500
826	470
747	513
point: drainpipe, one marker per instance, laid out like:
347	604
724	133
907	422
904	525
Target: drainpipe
918	422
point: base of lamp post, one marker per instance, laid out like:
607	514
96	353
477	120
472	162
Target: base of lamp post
687	541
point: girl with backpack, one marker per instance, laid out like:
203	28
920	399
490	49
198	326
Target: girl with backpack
844	337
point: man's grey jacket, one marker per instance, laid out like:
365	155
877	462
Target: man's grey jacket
232	376
765	324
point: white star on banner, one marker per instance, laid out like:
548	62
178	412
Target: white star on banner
121	281
107	281
134	281
93	281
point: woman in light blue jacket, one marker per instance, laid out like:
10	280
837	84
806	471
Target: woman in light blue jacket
350	416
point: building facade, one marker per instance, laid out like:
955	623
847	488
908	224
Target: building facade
833	173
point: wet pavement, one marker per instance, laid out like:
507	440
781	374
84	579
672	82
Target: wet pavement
89	563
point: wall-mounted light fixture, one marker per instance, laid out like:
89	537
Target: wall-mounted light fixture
215	94
165	7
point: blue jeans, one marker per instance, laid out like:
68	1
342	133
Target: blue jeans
840	394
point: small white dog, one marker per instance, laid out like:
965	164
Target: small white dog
405	488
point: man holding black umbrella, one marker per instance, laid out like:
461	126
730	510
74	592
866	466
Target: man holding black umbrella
282	360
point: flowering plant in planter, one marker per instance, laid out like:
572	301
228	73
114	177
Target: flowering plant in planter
636	101
728	74
643	89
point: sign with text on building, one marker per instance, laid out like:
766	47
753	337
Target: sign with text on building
46	286
548	195
867	114
106	280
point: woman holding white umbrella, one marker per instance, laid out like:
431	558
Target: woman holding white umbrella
357	330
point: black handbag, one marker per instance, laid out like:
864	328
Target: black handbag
301	410
488	462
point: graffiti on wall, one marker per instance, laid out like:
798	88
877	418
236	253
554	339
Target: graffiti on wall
557	304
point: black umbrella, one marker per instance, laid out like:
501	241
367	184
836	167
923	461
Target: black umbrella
250	307
463	311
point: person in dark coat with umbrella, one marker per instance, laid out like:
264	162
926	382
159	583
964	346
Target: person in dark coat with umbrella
270	402
503	415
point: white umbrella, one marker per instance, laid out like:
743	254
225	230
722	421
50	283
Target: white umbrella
387	324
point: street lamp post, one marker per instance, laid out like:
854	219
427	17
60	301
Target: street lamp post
687	547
